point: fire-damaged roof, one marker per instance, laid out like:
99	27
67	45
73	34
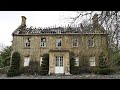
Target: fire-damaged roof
23	30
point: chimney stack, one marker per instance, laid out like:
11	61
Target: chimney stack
23	23
95	20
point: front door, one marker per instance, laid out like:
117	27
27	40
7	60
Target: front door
59	68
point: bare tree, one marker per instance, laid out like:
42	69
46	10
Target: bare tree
110	20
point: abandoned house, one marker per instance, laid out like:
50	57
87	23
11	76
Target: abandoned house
58	42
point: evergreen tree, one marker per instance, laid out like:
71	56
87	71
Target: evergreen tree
45	65
14	68
102	61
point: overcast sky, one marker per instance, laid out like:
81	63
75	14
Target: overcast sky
10	20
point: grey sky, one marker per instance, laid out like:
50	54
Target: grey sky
10	20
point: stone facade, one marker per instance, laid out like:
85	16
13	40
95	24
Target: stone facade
35	51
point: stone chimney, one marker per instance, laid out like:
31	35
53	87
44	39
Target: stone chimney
23	23
95	20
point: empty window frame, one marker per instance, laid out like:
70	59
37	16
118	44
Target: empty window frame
59	42
75	41
91	42
27	42
43	42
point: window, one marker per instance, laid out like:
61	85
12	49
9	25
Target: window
43	42
92	61
76	61
75	42
59	61
26	61
91	42
59	42
41	59
27	42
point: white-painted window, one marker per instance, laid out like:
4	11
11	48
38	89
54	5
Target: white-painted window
27	42
91	42
41	59
43	42
75	42
59	61
58	42
76	61
92	61
26	61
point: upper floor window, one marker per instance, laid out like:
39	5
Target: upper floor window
91	42
43	42
58	42
27	42
75	42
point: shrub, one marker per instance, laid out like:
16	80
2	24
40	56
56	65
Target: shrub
84	65
31	69
73	69
45	65
14	68
104	71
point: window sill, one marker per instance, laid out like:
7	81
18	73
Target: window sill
26	47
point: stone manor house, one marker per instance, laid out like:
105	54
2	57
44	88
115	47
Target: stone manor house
32	43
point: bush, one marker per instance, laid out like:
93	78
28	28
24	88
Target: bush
31	69
75	70
104	71
14	68
45	65
85	70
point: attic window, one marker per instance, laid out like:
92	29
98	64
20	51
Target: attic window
27	42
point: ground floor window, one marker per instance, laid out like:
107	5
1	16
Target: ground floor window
92	61
76	61
41	59
26	61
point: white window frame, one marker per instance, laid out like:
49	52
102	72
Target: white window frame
92	61
75	42
42	43
76	61
27	42
41	59
91	41
58	40
26	61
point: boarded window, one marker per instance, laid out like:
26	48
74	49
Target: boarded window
43	42
26	61
92	61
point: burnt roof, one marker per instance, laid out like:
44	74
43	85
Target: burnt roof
23	30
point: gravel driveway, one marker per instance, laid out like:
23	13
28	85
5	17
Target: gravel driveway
81	76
